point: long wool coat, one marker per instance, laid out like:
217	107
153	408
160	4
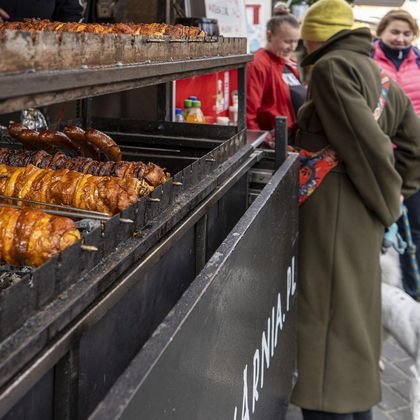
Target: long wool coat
342	223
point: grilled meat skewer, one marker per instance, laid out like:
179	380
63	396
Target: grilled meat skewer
109	195
31	237
149	173
73	141
153	29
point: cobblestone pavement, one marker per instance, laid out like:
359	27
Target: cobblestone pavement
396	380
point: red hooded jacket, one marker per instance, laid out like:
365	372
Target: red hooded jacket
268	95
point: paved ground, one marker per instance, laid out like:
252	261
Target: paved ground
395	386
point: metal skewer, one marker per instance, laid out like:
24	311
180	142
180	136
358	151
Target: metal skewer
74	214
90	248
63	210
125	220
59	206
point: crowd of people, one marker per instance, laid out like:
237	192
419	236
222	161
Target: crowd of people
362	102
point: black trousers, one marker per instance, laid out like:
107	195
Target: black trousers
322	415
408	274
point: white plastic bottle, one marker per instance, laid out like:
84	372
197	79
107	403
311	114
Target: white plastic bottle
179	117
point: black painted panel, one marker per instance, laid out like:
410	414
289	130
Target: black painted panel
225	214
107	348
217	349
37	403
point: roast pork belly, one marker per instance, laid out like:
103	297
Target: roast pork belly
31	237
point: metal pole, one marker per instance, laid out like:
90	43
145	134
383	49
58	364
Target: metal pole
187	6
85	112
280	141
66	386
200	244
241	97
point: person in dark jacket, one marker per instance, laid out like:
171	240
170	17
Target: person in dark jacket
353	109
58	10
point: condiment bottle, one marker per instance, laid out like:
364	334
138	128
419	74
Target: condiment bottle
187	107
196	114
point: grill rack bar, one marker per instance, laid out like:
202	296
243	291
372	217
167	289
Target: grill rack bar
64	210
59	206
73	214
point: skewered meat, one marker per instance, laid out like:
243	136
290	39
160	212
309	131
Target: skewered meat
96	140
105	194
154	29
151	174
77	136
49	140
31	237
73	141
104	143
60	140
30	138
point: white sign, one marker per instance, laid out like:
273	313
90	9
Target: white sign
256	23
230	15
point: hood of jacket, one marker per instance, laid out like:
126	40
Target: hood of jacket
357	40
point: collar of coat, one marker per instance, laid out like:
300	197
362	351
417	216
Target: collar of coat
358	40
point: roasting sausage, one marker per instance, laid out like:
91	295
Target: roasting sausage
15	130
31	138
107	146
77	135
60	140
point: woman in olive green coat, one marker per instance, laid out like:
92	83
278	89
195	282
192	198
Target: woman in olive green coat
342	224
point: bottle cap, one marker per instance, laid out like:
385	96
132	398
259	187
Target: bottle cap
193	98
187	103
196	104
178	111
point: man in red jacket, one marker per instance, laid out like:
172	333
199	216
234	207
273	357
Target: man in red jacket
273	86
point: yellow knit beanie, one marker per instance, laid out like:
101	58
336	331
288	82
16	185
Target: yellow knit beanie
325	18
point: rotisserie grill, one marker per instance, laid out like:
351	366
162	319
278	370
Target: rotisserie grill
71	327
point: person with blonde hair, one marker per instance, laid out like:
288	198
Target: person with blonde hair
370	124
400	59
273	87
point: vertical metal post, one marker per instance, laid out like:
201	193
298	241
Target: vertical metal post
280	141
163	12
200	244
164	90
85	107
66	383
164	93
187	6
241	97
